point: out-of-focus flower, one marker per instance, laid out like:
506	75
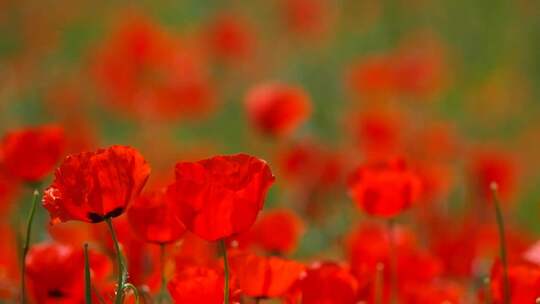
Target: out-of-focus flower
307	18
524	279
384	189
487	167
9	265
30	154
264	277
310	165
230	38
328	283
221	196
194	284
417	69
56	272
378	133
9	190
434	293
370	251
477	243
142	70
152	219
290	228
277	109
93	186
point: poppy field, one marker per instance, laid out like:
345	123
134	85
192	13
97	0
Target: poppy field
276	151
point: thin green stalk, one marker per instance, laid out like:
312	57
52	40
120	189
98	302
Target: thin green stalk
223	250
502	242
393	260
26	245
87	279
122	276
162	292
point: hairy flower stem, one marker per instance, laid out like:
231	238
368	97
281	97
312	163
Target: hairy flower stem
223	250
26	245
502	243
122	275
87	279
393	260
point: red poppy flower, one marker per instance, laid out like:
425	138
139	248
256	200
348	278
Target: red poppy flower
328	283
56	272
151	218
195	251
311	165
92	186
142	69
218	197
487	167
524	279
230	38
290	229
384	189
378	133
9	190
198	285
277	109
264	277
9	265
30	154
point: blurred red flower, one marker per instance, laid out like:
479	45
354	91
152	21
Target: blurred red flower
524	282
311	165
434	293
9	263
378	133
219	197
417	69
193	284
328	283
143	70
489	166
384	189
152	219
306	17
277	109
290	228
92	186
230	38
264	277
56	272
30	154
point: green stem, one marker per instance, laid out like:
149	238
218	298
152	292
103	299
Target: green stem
26	245
393	260
162	292
223	250
502	241
121	268
87	279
